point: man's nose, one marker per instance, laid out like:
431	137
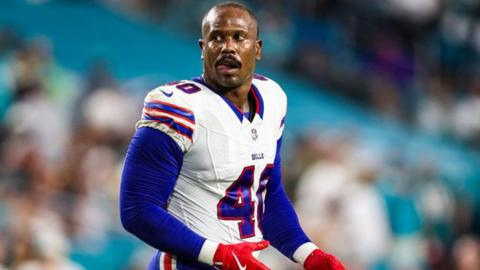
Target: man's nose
229	46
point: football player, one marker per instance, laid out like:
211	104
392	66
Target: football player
202	178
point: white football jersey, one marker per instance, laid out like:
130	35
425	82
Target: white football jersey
227	160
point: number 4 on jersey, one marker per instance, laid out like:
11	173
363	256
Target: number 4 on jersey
238	204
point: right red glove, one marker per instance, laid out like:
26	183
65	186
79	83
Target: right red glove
319	260
239	256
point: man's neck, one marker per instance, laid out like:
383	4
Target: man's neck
238	96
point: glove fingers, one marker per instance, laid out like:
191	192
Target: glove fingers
259	245
334	263
338	266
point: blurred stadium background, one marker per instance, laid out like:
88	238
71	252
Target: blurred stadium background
382	142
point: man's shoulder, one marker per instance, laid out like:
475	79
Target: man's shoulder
168	109
265	82
268	87
176	87
182	92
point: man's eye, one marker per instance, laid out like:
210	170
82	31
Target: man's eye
239	37
216	38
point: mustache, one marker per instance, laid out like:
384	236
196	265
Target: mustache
229	60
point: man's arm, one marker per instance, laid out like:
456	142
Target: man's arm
151	168
152	165
289	238
278	210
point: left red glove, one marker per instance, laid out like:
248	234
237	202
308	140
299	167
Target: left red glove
319	260
239	256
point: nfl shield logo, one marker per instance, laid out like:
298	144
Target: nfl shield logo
254	134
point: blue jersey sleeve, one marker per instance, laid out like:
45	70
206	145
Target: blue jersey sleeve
280	223
152	165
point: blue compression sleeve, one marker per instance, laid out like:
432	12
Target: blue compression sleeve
152	165
280	223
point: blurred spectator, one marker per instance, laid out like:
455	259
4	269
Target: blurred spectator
109	113
466	253
334	196
34	115
434	109
466	115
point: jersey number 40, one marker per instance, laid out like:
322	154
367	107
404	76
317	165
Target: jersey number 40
238	204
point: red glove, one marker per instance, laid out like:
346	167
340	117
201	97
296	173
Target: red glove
239	256
319	260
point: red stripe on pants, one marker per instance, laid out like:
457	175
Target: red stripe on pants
167	261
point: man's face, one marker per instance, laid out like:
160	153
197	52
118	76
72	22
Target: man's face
230	47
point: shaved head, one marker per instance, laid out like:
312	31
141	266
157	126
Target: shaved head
208	16
230	46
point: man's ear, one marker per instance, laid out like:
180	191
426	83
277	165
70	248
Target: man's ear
201	44
258	49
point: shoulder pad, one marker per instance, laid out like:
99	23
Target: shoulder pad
166	110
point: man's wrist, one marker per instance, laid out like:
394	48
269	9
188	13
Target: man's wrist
207	252
302	252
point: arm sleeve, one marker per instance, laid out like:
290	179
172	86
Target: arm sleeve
288	237
152	165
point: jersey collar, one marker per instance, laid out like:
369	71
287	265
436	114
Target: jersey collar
259	106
